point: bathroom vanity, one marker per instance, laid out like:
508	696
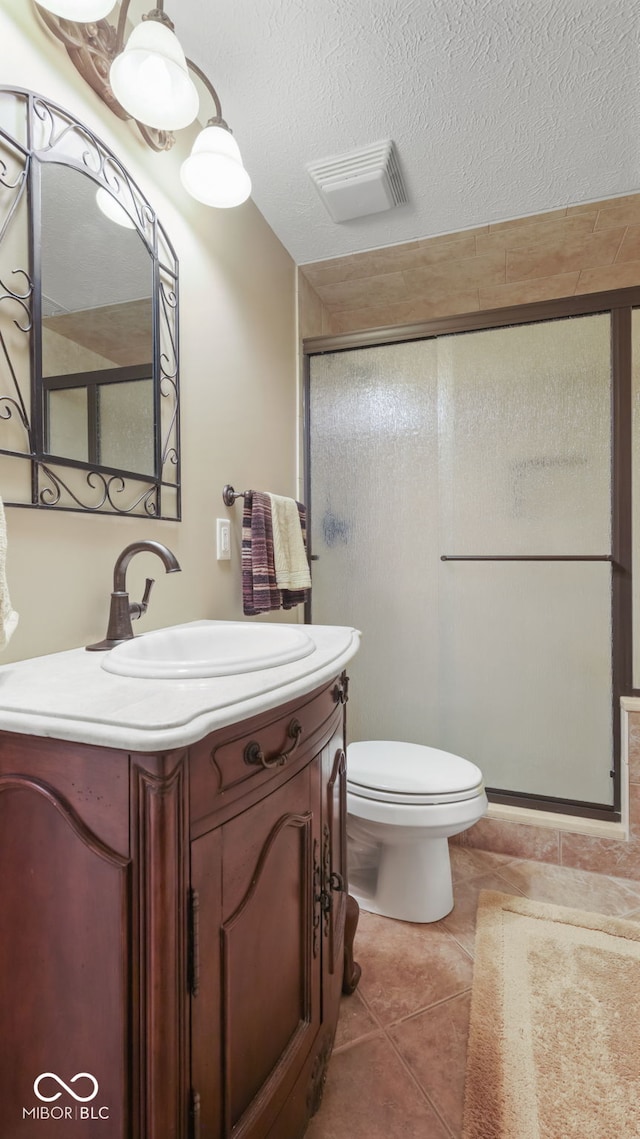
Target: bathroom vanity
172	918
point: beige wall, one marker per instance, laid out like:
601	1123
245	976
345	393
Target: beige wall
581	249
238	376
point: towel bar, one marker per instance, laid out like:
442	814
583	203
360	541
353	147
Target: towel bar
229	495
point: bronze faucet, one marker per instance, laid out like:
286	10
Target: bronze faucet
122	610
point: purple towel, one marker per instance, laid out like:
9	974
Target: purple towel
260	593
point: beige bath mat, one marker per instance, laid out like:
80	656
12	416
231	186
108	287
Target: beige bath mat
554	1039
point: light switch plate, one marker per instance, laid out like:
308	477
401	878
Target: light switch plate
223	539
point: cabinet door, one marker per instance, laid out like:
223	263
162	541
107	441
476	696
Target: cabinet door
256	1008
65	972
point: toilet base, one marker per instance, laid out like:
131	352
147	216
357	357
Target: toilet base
413	882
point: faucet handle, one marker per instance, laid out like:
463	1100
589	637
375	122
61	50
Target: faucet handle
137	608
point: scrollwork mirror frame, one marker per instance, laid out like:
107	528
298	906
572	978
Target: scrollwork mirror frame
48	133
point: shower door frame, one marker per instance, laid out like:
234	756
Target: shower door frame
619	303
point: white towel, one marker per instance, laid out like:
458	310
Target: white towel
8	616
289	555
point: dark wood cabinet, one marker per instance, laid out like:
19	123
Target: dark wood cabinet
172	930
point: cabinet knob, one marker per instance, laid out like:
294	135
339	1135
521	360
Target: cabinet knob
254	754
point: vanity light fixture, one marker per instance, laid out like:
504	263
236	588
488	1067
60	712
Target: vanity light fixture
213	173
148	79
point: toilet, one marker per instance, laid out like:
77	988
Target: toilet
404	801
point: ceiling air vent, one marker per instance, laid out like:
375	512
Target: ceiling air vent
364	182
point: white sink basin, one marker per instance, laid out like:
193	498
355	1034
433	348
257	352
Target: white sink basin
215	648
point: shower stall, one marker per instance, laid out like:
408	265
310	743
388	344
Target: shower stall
469	495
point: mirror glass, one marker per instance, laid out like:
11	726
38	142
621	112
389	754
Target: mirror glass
97	329
89	392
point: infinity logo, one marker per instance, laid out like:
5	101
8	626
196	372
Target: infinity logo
78	1076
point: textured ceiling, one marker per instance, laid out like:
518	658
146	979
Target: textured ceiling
498	108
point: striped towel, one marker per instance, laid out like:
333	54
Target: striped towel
260	593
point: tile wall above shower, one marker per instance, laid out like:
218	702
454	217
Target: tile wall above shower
580	249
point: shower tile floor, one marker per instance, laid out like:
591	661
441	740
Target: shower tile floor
397	1070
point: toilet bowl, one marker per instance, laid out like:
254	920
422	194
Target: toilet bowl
404	801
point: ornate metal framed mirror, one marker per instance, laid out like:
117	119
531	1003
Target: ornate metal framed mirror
89	395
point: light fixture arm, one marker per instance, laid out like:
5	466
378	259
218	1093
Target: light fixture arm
217	120
122	23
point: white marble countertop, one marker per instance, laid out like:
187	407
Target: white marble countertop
70	696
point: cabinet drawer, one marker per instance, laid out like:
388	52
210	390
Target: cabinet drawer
246	757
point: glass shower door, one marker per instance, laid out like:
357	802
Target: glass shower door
461	517
374	529
525	597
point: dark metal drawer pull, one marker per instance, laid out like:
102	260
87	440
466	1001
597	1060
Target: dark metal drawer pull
340	691
253	753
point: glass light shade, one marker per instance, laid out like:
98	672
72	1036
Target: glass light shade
151	81
213	173
112	209
82	11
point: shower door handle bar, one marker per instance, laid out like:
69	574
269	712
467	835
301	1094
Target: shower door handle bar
530	558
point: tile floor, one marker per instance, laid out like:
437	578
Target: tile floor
397	1070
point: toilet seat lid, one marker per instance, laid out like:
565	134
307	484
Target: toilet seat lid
391	770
